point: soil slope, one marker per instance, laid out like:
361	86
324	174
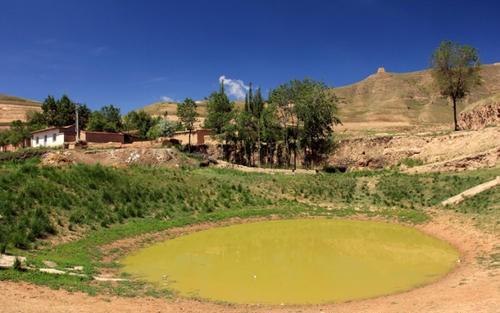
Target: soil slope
14	108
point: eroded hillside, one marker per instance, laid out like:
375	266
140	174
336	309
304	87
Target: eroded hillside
14	108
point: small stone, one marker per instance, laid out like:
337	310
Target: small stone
49	264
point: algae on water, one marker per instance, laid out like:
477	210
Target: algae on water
295	261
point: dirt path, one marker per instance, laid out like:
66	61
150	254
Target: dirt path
472	287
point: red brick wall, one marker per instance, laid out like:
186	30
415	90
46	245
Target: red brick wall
102	137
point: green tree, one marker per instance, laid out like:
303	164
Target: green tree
271	131
455	69
283	98
18	133
308	113
220	118
139	121
219	111
62	112
163	128
316	109
186	111
108	118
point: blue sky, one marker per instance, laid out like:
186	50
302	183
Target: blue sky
132	53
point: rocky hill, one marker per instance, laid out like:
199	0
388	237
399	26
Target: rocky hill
15	108
406	99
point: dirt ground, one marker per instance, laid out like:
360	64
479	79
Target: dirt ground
472	287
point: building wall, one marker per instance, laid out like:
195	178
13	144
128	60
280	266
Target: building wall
102	137
49	141
198	137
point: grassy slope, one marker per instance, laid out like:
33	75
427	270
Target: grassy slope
109	204
18	100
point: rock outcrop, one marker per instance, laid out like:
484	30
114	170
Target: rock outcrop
482	115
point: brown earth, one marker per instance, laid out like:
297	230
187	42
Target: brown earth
476	148
117	157
14	108
472	287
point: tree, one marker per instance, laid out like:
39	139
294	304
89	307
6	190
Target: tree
283	97
186	111
163	128
271	131
316	109
108	118
219	111
139	121
455	69
61	112
307	115
220	117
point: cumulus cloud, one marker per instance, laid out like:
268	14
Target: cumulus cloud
167	99
234	87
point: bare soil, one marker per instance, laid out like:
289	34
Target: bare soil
472	287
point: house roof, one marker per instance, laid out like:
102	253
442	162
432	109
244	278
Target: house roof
50	128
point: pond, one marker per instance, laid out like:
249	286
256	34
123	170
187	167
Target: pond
302	261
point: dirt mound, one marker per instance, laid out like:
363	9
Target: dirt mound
386	151
485	113
59	158
488	158
117	157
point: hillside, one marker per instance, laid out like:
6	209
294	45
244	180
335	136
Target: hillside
405	99
160	108
387	100
15	108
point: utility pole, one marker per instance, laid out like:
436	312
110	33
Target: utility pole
77	124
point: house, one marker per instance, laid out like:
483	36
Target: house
60	136
53	136
198	137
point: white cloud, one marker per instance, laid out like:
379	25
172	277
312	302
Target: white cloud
98	51
167	99
235	87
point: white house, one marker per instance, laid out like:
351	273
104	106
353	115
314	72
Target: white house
53	136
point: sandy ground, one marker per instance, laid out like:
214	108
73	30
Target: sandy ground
471	287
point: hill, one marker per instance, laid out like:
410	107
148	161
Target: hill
387	100
170	108
405	99
15	108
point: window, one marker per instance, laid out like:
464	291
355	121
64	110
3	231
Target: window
37	139
54	137
45	139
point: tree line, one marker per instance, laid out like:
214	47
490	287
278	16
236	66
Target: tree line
298	115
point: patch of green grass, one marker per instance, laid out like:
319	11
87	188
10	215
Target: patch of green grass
410	162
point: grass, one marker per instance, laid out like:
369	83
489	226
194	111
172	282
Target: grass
103	204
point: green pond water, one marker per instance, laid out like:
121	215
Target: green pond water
294	261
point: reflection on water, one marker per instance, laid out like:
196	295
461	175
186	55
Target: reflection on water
295	261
